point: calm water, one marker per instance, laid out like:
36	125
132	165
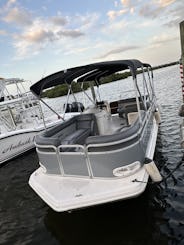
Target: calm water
156	217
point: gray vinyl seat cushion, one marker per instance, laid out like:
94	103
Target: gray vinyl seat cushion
122	134
77	137
73	131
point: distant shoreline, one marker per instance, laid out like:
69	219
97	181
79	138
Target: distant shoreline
165	65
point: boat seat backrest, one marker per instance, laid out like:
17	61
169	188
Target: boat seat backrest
77	137
57	129
133	107
73	131
121	134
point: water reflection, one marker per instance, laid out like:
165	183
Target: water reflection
127	222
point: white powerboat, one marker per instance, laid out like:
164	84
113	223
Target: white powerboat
21	118
106	152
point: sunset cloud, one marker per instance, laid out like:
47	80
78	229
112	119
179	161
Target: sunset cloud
113	14
41	32
118	50
150	11
155	7
18	17
3	32
163	39
59	20
10	3
126	2
30	31
164	3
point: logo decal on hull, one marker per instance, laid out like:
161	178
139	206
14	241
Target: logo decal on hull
18	145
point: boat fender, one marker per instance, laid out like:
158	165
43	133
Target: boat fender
152	170
157	116
181	111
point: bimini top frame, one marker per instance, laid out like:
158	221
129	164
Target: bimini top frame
91	72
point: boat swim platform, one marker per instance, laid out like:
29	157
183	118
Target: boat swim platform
68	193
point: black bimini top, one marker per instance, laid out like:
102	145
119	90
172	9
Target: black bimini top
86	73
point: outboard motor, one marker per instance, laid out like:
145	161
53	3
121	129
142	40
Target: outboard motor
1	99
74	107
77	107
67	107
100	104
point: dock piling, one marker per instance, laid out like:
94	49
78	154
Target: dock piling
181	111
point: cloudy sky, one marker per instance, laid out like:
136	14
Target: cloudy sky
39	37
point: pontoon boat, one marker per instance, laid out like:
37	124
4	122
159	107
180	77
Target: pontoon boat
98	156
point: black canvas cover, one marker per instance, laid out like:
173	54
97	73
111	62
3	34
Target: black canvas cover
86	73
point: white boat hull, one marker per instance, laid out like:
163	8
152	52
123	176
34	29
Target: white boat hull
85	192
16	144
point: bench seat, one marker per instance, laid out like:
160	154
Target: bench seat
73	131
77	137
